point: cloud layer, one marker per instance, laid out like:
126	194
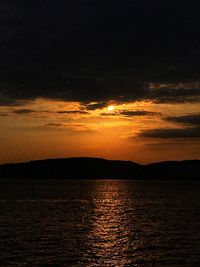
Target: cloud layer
192	132
99	51
193	119
190	129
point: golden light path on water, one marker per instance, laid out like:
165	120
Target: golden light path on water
110	232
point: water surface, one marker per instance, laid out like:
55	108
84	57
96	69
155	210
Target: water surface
99	223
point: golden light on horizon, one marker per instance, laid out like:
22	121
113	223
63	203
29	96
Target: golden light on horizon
54	128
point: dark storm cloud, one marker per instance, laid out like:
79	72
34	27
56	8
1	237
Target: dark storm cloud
88	51
171	133
193	119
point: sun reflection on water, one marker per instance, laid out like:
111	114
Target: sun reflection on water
109	233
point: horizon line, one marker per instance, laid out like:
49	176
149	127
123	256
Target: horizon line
100	158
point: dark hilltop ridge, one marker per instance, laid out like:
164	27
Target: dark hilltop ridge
97	168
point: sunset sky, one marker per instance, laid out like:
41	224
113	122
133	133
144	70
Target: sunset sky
113	79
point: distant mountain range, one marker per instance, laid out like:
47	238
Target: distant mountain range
97	168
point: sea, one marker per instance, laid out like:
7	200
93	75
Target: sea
97	223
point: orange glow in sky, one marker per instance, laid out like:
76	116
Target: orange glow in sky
47	129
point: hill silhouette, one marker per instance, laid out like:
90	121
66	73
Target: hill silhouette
98	168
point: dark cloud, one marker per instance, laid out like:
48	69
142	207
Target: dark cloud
131	113
109	114
71	128
166	144
171	133
73	112
193	119
88	51
54	124
94	106
174	95
23	111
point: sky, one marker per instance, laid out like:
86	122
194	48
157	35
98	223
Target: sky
113	79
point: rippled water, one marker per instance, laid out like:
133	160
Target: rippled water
99	223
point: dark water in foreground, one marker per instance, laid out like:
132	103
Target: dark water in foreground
99	223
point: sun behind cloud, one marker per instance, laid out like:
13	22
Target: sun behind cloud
110	108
